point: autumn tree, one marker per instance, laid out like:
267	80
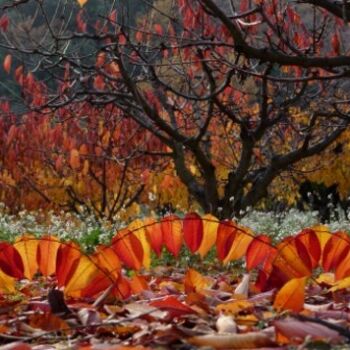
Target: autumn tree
239	93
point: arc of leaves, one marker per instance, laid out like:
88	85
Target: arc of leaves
293	258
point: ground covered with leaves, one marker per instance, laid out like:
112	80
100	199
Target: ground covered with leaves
134	293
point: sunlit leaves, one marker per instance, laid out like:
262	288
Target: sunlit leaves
46	255
27	248
210	227
128	248
172	233
84	273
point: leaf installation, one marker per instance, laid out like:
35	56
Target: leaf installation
290	293
233	102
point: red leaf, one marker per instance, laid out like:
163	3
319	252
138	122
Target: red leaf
11	261
68	256
258	251
81	25
99	83
4	22
193	231
173	306
226	234
112	17
158	28
335	42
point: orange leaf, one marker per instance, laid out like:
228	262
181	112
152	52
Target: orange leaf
138	284
172	233
85	271
195	282
137	227
82	2
193	231
323	235
293	260
291	296
335	250
210	228
122	288
97	284
7	63
342	268
155	235
258	251
128	248
27	248
240	245
7	283
47	254
108	261
47	322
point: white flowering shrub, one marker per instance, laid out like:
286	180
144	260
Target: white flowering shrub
89	232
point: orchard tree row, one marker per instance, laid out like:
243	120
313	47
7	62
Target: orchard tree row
204	103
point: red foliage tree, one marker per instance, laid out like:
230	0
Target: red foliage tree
239	94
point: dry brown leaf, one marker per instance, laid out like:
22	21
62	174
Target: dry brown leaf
249	340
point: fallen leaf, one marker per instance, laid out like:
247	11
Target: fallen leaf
249	340
173	306
297	331
291	296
